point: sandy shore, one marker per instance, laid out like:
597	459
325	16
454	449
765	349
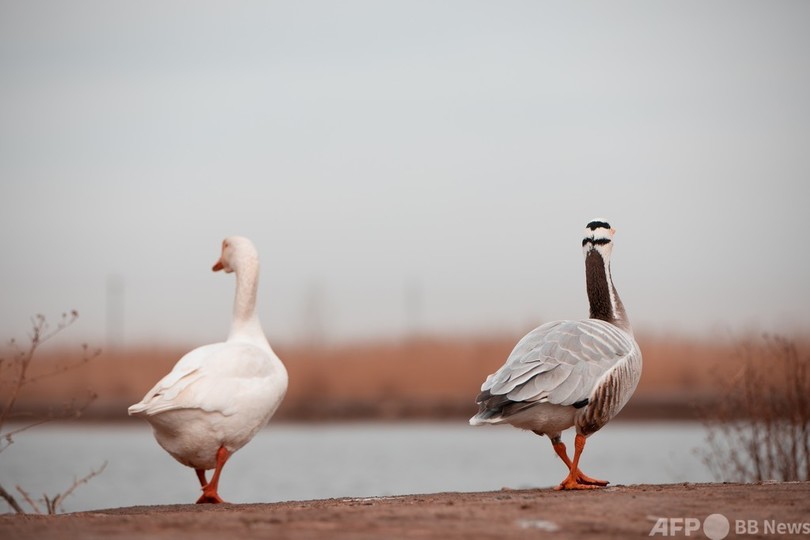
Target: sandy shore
614	512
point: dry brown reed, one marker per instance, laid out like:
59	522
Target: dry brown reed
759	425
427	377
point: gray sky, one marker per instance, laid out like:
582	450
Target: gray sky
403	164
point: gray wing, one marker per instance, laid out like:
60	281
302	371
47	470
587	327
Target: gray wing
559	362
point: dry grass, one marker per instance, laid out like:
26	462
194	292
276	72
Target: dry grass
418	378
759	427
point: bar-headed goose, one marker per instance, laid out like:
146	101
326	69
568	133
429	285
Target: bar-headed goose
570	373
218	396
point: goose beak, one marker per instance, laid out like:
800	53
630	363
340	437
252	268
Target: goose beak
218	266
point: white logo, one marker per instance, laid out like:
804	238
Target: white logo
717	527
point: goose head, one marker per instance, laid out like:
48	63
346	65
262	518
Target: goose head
236	252
598	239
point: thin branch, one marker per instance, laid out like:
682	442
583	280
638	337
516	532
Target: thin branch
40	326
70	410
15	368
12	502
8	437
86	357
23	359
59	498
29	500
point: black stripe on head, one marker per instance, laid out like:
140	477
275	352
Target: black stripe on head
593	225
595	241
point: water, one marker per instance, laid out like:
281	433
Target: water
314	461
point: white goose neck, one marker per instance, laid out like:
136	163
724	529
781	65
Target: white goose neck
245	324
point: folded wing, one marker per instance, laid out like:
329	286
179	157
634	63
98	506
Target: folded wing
558	363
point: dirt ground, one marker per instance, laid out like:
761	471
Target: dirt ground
614	512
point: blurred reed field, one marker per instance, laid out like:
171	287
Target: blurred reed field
759	422
418	378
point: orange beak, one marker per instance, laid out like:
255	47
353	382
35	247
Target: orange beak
218	266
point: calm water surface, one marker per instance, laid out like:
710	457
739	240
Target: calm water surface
314	461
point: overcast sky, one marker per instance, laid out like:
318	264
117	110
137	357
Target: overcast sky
402	166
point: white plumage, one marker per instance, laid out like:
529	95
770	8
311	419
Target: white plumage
218	396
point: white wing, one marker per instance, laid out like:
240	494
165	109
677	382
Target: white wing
209	378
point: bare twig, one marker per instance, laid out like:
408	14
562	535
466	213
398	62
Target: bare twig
13	377
56	503
31	502
12	502
87	355
759	428
39	335
8	437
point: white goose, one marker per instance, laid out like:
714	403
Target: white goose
218	396
570	373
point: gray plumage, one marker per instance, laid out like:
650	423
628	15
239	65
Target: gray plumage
590	365
570	373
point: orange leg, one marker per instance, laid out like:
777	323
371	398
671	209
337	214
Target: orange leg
201	477
559	447
210	494
575	478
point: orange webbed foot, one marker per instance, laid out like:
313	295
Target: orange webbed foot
209	498
572	483
582	479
